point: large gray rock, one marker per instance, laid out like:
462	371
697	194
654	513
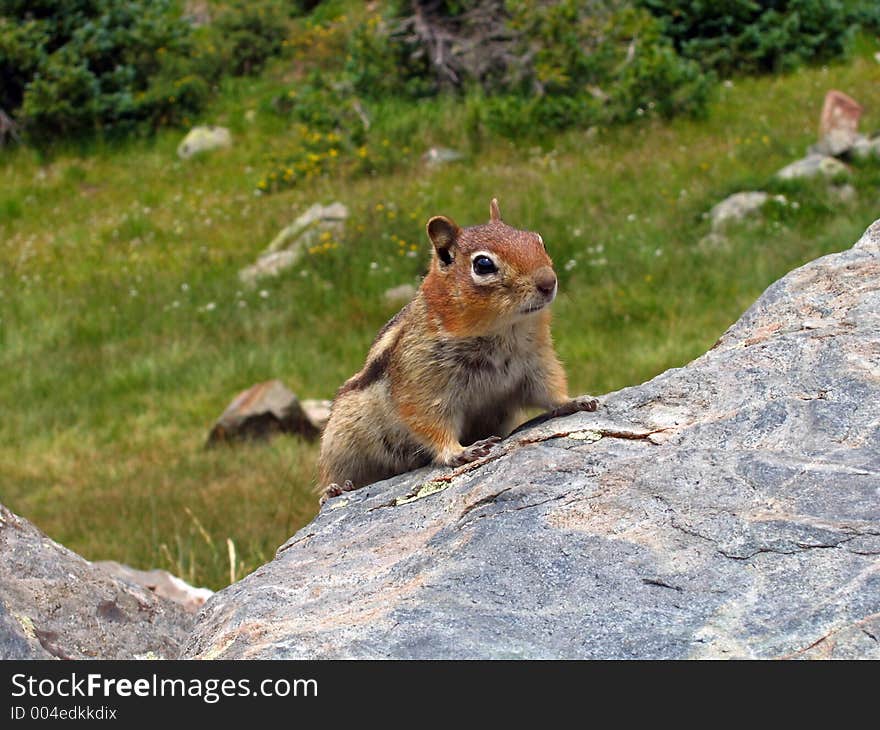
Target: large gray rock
730	508
55	604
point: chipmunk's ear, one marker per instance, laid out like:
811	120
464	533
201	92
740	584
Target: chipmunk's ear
443	233
494	211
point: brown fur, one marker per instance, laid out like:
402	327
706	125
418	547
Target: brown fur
454	367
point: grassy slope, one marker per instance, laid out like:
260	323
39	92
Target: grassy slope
124	330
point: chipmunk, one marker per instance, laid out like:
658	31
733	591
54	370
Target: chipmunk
447	377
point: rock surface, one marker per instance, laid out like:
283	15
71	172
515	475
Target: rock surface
730	508
203	139
160	582
55	604
264	410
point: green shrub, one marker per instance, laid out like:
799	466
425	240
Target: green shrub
379	62
864	14
606	51
85	67
328	135
79	68
563	63
249	33
517	115
303	7
659	81
325	105
752	36
595	64
21	53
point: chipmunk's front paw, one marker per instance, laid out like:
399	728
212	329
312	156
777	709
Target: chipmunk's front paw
334	490
586	403
476	450
581	403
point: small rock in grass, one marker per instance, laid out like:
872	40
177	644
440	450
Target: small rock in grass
865	148
270	264
441	155
812	165
845	193
837	143
260	412
317	225
737	206
838	125
203	139
329	218
399	294
840	113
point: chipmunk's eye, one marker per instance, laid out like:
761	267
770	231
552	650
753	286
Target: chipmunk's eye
484	266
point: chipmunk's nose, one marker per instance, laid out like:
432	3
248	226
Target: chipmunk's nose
545	281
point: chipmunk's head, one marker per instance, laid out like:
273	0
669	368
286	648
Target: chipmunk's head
490	275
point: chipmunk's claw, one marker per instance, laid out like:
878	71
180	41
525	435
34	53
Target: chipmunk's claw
575	405
476	450
586	403
334	490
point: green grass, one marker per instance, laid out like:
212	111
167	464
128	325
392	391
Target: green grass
124	330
